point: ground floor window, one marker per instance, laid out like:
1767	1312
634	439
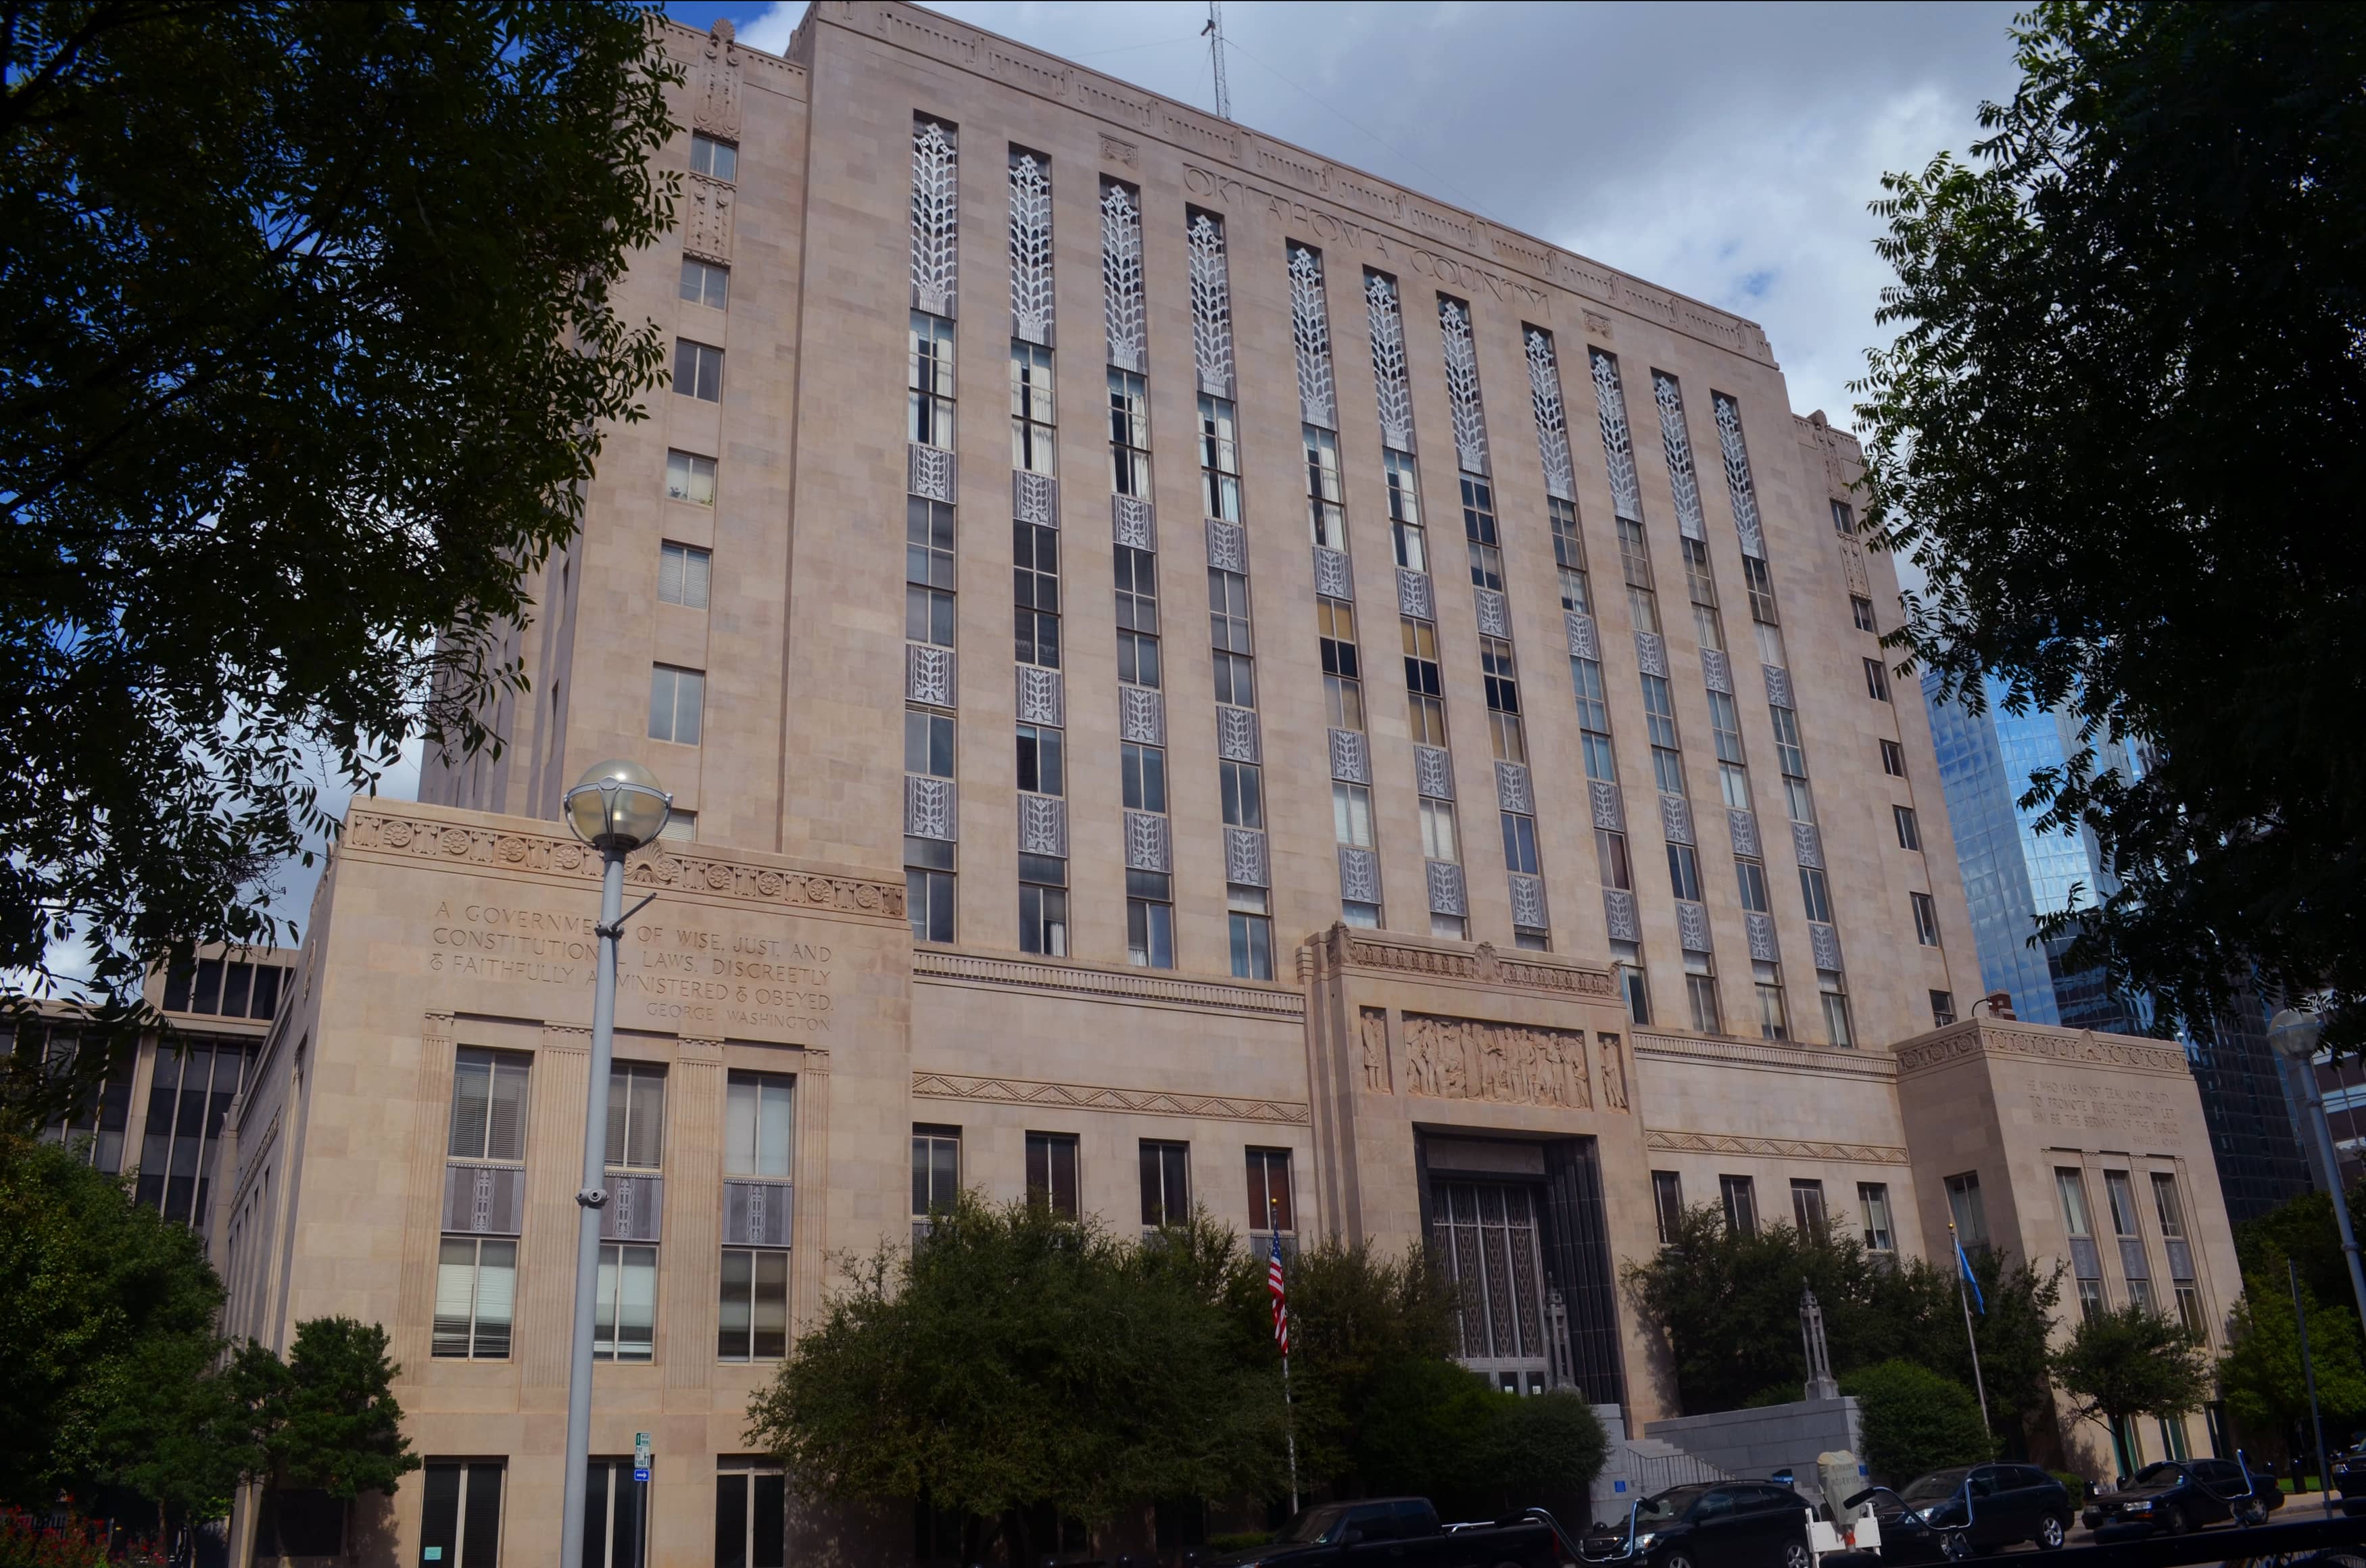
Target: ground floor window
615	1516
460	1518
476	1289
1486	1233
751	1515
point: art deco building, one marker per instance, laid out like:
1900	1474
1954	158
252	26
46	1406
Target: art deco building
1192	677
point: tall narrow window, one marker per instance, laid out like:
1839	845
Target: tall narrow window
1873	1212
1052	1172
1569	557
716	160
929	368
697	370
1741	1198
489	1100
1129	396
1700	989
1165	1182
1593	719
1405	510
1926	919
752	1306
928	887
684	575
1774	1017
1485	548
1035	593
1424	690
1033	445
1142	777
1150	920
1504	728
636	1115
677	700
1893	760
1942	1009
1807	1214
1272	1209
936	1171
1327	514
1343	683
1219	460
476	1298
1228	635
751	1527
1137	616
1860	610
1668	1203
1249	924
1963	1205
1831	988
759	1124
460	1520
1909	834
1876	681
1634	981
1660	718
625	1314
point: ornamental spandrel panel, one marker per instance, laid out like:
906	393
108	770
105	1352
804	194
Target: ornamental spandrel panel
1042	699
1414	596
1447	895
2086	1258
1692	925
757	1213
1244	857
1142	715
1035	499
1760	929
1807	845
1743	827
1043	826
929	675
1651	654
1332	577
931	808
1351	759
1675	819
1824	942
1359	875
1236	733
1583	642
1133	522
1618	915
1147	847
2132	1263
1778	686
706	227
1717	670
1528	901
1513	792
635	1208
2181	1258
930	471
1433	772
1228	549
1494	617
483	1199
1607	810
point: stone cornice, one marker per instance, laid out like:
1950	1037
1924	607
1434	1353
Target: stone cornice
939	964
1095	1097
1355	948
1980	1037
376	832
1783	1057
1668	1140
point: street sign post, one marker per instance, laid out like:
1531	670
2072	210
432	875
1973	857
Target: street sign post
640	1456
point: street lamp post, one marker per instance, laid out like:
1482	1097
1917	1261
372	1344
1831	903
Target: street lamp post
615	808
2294	1035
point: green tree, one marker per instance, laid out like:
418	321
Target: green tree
324	1419
108	1319
1016	1364
2117	433
1357	1320
2304	1230
2119	1365
310	346
1924	1314
1915	1421
2261	1376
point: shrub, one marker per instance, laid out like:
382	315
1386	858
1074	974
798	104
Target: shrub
1915	1421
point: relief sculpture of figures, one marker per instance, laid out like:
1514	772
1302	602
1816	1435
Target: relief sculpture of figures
1469	1059
1614	1074
1376	1050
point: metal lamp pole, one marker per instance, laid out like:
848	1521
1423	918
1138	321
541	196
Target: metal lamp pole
616	809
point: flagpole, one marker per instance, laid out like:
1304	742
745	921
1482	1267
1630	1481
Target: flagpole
1289	1432
1963	1271
1282	1335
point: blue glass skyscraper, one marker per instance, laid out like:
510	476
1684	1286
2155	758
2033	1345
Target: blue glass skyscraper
2013	876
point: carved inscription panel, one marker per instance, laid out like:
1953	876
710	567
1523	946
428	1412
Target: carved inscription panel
2089	1106
1508	1064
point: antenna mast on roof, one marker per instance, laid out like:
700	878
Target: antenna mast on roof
1215	33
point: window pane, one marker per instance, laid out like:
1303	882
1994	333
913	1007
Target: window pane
496	1297
770	1339
505	1130
471	1098
456	1296
736	1308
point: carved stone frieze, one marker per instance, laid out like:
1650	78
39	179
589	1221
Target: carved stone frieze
1096	1097
1506	1064
1372	1031
1360	949
1668	1140
1978	1037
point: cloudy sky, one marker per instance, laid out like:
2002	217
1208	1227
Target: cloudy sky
1724	150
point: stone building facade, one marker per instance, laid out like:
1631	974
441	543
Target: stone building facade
1533	840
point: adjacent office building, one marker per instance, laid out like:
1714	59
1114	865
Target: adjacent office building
2013	876
1193	678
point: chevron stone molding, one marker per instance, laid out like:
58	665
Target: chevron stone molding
1667	1140
1095	1097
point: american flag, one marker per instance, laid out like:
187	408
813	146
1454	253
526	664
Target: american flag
1274	1287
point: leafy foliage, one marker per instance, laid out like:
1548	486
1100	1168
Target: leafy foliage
2132	1362
1726	1307
107	1317
2304	1230
311	343
1916	1421
2261	1376
1016	1360
2120	433
325	1419
1357	1319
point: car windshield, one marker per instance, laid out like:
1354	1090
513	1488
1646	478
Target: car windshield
1932	1487
1665	1508
1313	1525
2163	1474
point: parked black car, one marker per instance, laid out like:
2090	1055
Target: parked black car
1726	1524
1401	1533
1954	1512
2349	1479
2180	1494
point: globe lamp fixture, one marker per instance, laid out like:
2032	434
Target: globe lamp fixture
617	805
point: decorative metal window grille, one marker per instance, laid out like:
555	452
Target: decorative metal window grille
1717	672
636	1206
1133	522
1043	826
1445	890
1618	445
1761	931
928	807
1146	847
1651	654
1031	249
1618	915
1331	575
1807	845
930	471
757	1213
1552	417
1528	901
1778	686
1737	475
1824	942
935	215
1310	327
1743	826
1675	819
1494	616
1583	642
1350	758
1245	860
1236	733
1035	499
1212	306
1394	392
1039	697
1414	596
1142	715
1513	791
1121	277
1433	772
1608	811
1462	386
1678	443
1692	925
929	675
1359	876
1228	548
